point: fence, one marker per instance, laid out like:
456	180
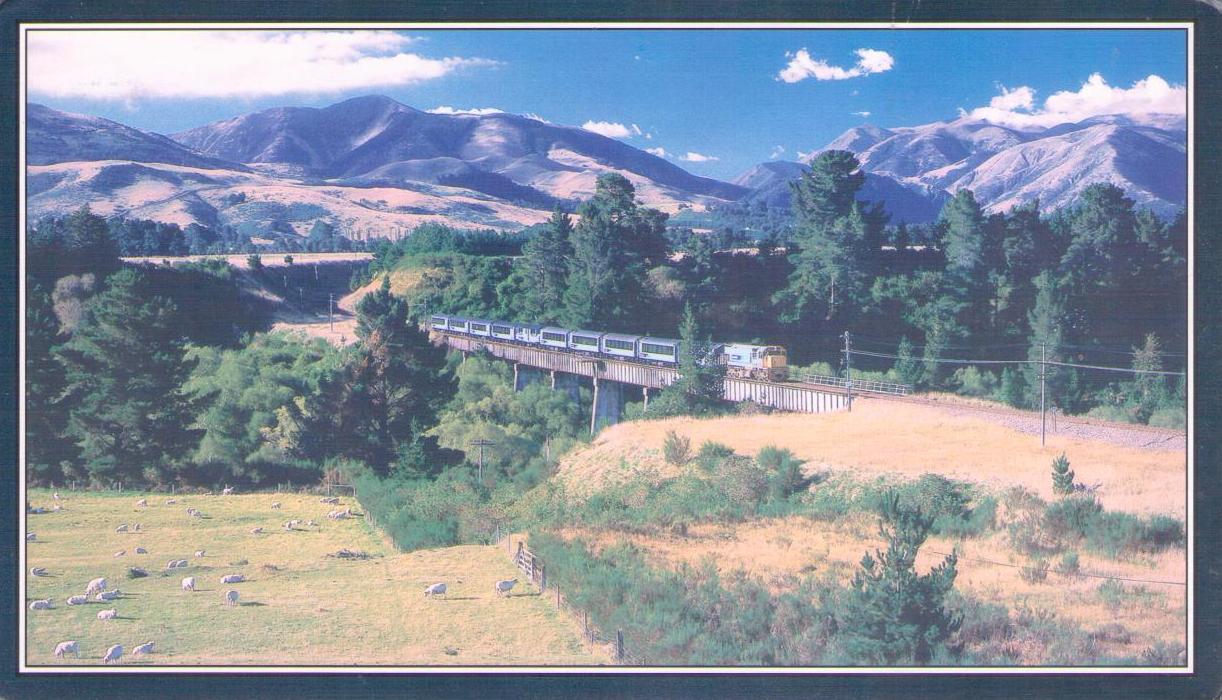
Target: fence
535	571
869	385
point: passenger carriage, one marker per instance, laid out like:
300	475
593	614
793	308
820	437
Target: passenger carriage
619	345
480	328
458	324
658	350
585	341
553	337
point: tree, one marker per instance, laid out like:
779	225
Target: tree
394	384
1046	321
700	387
963	237
1103	237
125	369
890	614
545	258
46	452
1148	391
827	191
907	367
1062	476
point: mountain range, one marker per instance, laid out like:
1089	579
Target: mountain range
374	167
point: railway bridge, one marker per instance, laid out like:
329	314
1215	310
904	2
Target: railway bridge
612	378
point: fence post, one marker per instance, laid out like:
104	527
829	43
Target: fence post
542	578
557	596
619	646
586	626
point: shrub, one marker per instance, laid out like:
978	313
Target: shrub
1168	418
255	263
1072	515
1112	633
1165	654
972	381
1070	566
784	472
676	449
712	454
1062	476
1034	572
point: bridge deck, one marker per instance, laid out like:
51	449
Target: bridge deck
782	395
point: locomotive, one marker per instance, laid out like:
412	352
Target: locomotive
764	362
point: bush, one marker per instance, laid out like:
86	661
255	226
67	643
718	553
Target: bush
1168	418
1072	515
975	382
676	449
784	472
1034	572
1062	476
1070	566
711	455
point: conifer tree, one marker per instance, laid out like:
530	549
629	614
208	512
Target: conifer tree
1062	476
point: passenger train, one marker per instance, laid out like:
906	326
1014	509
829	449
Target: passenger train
746	361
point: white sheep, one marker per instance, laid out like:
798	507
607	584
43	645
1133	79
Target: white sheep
199	553
96	586
55	495
57	507
146	648
275	505
233	578
191	510
181	564
38	571
311	523
171	564
113	653
40	605
198	514
107	596
78	600
141	550
227	491
121	553
67	648
31	537
435	589
121	528
503	587
288	525
188	584
231	597
108	614
143	502
171	501
256	530
136	527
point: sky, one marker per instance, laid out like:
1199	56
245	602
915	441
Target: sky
715	102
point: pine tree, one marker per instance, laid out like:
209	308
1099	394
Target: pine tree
45	417
546	261
1046	321
1062	476
1148	391
907	367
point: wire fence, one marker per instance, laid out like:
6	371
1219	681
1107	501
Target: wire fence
535	571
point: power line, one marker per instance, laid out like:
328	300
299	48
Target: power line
1115	369
943	360
1059	571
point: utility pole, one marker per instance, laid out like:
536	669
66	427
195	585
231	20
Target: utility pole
331	310
848	368
481	444
1043	383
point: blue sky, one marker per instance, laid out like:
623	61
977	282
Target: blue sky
720	94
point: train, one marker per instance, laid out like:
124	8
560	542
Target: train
764	362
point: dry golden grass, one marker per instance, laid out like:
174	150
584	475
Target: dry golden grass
309	610
905	440
777	551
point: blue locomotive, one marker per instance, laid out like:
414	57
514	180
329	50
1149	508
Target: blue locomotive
766	362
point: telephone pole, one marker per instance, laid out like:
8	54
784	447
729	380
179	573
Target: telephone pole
848	369
1043	383
481	444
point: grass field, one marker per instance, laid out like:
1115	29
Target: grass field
307	610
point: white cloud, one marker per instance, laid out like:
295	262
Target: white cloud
613	130
536	117
693	157
126	64
863	115
801	66
659	152
478	111
1017	107
777	151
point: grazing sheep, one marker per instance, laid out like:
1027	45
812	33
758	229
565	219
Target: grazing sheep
136	572
333	500
31	537
95	586
171	501
141	550
503	587
171	564
276	505
38	571
435	589
121	528
288	525
227	491
233	578
57	507
136	527
181	564
40	605
231	597
121	553
198	514
256	530
55	495
143	502
146	648
191	510
108	614
107	596
67	648
199	554
188	584
78	600
113	653
37	510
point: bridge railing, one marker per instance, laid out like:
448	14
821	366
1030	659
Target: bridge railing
869	385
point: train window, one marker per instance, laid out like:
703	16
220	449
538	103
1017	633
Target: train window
657	349
501	329
553	336
619	344
584	340
479	327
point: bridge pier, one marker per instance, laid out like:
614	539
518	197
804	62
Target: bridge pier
524	375
608	404
645	394
570	383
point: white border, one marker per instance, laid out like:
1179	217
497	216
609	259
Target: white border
23	668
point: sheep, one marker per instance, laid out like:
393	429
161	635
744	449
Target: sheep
121	553
181	564
435	589
146	648
78	600
142	503
256	530
233	578
171	501
108	614
38	571
31	537
275	505
95	586
57	508
227	491
231	597
199	554
191	510
141	550
40	604
333	500
288	525
113	653
171	564
136	527
188	584
67	648
107	596
121	528
311	523
503	587
55	495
